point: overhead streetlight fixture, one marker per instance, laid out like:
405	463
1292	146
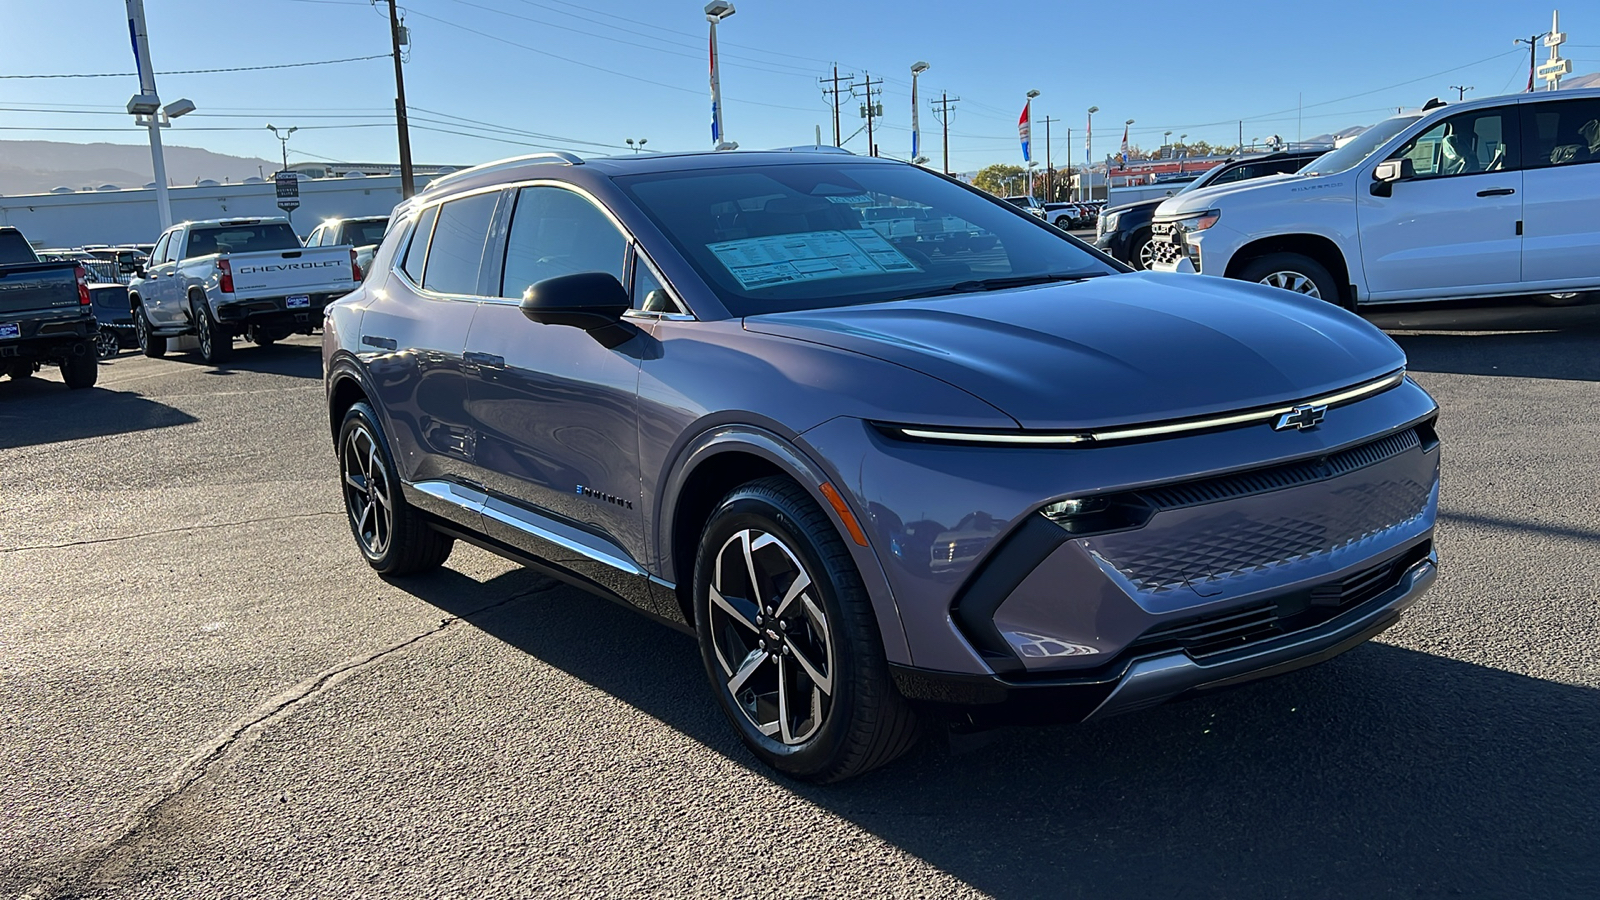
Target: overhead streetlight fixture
636	145
283	138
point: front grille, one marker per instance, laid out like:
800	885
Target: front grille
1165	253
1288	475
1214	633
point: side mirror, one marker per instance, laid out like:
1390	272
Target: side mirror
1388	173
592	301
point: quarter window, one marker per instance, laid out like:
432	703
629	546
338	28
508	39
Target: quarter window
649	294
412	265
455	254
558	232
1561	134
158	255
1467	144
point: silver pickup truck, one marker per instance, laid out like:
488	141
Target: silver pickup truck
222	279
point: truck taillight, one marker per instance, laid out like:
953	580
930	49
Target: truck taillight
225	283
83	285
355	267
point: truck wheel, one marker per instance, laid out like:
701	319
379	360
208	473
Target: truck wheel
216	345
149	343
262	337
392	536
106	344
1141	254
20	369
80	369
789	639
1292	272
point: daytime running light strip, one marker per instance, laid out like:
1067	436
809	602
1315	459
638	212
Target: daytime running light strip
1354	393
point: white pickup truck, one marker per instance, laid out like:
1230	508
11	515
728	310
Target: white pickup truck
225	278
1494	197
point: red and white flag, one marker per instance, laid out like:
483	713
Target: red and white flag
1025	131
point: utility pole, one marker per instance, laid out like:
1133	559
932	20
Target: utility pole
1049	173
408	183
871	110
1533	63
1461	91
945	104
834	92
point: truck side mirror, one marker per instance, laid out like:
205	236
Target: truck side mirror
1388	173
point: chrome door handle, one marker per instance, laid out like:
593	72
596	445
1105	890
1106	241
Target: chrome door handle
1497	192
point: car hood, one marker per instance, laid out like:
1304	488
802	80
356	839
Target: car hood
1205	198
1113	350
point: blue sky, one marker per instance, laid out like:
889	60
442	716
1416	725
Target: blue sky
586	77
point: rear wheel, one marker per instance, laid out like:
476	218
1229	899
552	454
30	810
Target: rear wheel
789	638
106	344
1292	272
149	343
263	337
392	536
80	369
20	369
216	345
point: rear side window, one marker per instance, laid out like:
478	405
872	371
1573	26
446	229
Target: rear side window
241	239
557	232
419	244
456	252
1561	134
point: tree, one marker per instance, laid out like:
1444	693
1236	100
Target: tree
1000	179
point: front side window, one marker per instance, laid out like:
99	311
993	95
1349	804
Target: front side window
554	232
159	254
314	239
418	248
1359	147
818	235
1561	134
455	255
1468	144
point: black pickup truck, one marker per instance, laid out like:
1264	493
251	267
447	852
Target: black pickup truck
45	315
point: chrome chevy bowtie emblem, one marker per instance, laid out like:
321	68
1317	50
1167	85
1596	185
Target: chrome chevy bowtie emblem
1300	418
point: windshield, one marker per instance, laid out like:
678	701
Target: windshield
1360	147
241	239
812	236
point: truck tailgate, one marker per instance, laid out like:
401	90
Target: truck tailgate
279	273
29	287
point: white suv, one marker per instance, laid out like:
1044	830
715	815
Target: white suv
1493	197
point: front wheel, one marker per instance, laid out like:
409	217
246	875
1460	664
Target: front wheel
789	639
150	344
80	370
1292	272
393	537
1143	253
106	344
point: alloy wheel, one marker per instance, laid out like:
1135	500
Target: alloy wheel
1147	255
771	637
202	330
367	495
1293	281
106	344
141	329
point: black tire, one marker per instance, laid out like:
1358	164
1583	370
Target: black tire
261	337
866	722
107	344
150	344
411	545
20	369
1288	266
80	369
216	344
1138	252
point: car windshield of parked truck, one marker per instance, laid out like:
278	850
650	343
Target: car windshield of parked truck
206	240
812	236
1360	147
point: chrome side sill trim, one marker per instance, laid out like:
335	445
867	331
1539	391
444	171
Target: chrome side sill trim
564	536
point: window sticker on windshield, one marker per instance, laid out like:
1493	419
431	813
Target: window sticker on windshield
809	256
850	199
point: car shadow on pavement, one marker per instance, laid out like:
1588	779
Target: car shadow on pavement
35	411
1568	355
1383	772
287	360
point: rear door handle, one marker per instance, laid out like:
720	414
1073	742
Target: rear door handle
382	343
1497	192
483	359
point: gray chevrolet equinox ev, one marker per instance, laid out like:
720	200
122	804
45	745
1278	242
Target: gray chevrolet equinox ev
884	477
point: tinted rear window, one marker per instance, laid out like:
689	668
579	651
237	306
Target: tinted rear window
456	253
241	239
360	234
14	249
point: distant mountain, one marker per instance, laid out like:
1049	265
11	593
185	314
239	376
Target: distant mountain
35	167
1582	81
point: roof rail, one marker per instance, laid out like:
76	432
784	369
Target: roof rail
571	159
814	148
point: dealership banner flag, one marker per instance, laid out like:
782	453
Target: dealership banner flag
1124	146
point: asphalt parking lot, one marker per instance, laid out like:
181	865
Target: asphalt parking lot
208	694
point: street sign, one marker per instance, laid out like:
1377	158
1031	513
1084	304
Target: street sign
1555	67
288	185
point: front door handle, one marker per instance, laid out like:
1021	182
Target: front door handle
1497	192
382	343
484	359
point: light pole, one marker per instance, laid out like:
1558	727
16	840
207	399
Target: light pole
146	108
917	68
1125	126
1166	141
1183	151
637	145
1027	137
1087	191
283	138
716	11
1461	91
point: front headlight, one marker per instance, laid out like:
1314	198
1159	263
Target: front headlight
1199	221
1108	222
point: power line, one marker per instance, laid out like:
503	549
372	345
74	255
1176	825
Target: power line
321	62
